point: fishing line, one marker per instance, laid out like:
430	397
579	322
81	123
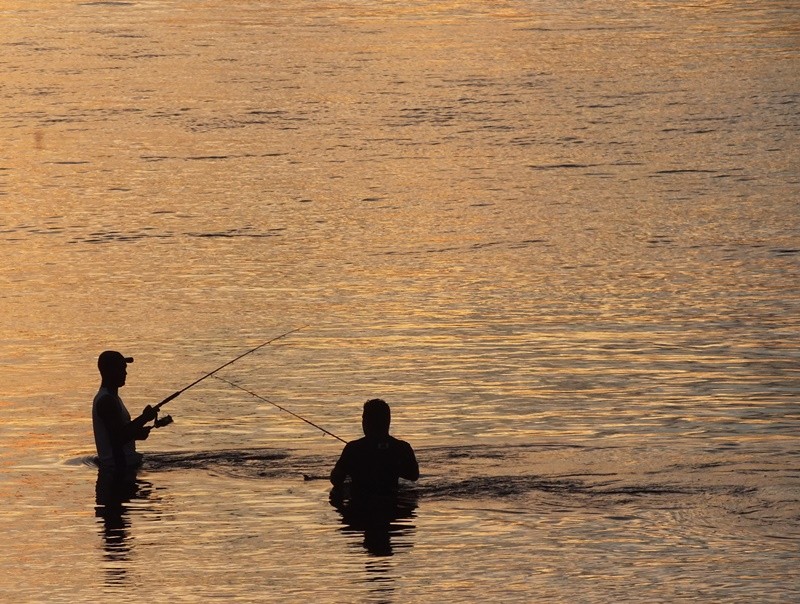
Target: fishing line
208	375
261	398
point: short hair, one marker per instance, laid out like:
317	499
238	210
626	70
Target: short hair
377	414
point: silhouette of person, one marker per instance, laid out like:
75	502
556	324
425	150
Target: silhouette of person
113	492
375	462
378	518
371	502
115	433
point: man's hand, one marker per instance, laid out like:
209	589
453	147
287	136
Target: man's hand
143	433
136	429
149	413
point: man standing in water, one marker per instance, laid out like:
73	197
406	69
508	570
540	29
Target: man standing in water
374	463
115	434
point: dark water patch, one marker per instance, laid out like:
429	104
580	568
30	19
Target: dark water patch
474	247
715	118
477	246
786	251
47	231
496	127
685	171
83	460
246	464
143	55
494	486
236	463
270	113
584	474
475	453
564	166
29	229
241	232
440	115
44	91
214	460
503	486
445	455
165	113
447	115
643	490
211	157
475	82
281	120
786	537
116	236
102	237
692	467
118	34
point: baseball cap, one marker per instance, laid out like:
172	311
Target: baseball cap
111	358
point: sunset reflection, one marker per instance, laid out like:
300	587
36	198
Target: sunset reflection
561	238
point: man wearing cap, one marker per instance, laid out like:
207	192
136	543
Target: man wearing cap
115	434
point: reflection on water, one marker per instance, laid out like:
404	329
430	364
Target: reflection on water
384	526
114	493
380	519
563	236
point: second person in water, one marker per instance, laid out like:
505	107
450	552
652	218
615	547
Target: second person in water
375	462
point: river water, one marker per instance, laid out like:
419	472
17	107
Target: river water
560	238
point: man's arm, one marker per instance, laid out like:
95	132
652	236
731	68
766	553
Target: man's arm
409	468
339	472
119	430
137	426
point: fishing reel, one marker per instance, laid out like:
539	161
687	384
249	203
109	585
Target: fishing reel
160	422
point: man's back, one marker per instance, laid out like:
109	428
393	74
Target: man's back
374	464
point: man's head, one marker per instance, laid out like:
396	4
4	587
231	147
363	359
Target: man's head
376	417
113	367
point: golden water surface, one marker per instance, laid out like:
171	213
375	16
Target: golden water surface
560	238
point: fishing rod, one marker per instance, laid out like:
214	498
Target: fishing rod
167	419
261	398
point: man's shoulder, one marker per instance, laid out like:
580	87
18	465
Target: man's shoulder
399	443
104	397
357	444
106	403
365	444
